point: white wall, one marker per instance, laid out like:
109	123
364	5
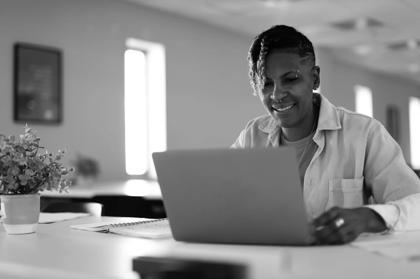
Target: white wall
209	99
208	94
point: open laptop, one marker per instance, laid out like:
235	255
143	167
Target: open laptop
235	196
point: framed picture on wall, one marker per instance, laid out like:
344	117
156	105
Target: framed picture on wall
37	84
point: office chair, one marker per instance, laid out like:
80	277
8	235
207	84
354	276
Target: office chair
93	208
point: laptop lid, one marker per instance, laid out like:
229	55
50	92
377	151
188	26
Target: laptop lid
243	196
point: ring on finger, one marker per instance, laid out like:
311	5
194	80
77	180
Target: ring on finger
339	222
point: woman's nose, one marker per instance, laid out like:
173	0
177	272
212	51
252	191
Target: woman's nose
278	92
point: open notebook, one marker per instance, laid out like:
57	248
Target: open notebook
147	228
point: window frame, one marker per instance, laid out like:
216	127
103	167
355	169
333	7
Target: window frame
155	82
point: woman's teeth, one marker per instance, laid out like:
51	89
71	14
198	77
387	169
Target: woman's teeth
282	109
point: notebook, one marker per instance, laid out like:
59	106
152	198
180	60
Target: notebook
235	196
146	228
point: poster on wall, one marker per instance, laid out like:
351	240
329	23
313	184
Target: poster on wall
37	84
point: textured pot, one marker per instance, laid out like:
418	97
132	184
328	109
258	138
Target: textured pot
20	213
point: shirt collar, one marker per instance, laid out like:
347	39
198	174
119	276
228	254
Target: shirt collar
329	118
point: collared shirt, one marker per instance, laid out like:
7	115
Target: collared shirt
357	162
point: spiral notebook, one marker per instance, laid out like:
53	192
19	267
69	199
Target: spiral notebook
147	228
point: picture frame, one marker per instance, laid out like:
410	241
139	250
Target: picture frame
37	84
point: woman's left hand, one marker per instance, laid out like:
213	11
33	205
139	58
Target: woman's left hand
340	225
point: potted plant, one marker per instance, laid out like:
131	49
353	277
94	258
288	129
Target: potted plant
26	169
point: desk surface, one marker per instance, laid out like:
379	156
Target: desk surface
131	187
57	251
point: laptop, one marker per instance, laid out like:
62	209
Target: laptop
233	196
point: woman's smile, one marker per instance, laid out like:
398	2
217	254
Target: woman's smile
282	108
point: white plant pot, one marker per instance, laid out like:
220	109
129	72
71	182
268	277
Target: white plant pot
20	213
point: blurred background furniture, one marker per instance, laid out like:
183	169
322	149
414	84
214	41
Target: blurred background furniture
92	208
130	206
130	198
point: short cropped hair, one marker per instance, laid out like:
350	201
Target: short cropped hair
276	37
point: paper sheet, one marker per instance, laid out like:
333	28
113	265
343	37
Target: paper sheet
93	227
46	218
146	228
397	246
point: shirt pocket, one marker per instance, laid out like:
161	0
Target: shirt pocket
347	193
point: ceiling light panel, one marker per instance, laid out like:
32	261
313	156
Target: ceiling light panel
357	24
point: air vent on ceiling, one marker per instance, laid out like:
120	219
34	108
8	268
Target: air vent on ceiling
357	24
410	44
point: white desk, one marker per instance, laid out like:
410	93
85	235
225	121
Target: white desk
56	251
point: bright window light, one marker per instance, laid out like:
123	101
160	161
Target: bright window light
145	106
414	114
135	112
363	96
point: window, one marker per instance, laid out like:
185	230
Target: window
414	114
363	96
144	105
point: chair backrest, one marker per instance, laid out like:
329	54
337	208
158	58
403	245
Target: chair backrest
93	208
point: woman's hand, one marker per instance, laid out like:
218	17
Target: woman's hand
340	225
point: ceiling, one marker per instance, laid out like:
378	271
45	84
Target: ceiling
390	43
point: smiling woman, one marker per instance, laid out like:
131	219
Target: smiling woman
345	158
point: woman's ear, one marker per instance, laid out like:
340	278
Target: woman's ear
316	76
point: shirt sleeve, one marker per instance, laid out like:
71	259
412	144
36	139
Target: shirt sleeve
394	186
409	213
400	215
389	213
239	142
245	136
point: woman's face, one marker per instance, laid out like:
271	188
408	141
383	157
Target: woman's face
287	91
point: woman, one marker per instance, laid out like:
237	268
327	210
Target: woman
353	173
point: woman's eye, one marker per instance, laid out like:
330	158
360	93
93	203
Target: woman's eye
291	79
268	84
